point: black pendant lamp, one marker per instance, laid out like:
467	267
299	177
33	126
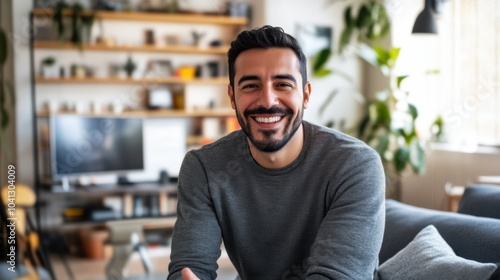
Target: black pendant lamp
425	22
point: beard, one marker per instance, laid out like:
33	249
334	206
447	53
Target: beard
269	144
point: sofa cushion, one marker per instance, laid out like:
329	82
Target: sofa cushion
473	238
481	200
429	257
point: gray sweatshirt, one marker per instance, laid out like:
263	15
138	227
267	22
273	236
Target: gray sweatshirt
320	217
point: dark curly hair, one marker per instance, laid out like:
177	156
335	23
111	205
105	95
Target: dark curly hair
264	38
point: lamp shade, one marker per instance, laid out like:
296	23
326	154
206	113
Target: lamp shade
425	22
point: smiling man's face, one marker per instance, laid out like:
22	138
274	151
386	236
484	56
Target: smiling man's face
268	96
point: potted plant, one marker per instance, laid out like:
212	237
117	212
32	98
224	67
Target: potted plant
6	95
81	23
388	125
49	68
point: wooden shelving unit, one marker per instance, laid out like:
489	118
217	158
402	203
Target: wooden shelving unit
163	113
156	17
143	81
156	49
44	85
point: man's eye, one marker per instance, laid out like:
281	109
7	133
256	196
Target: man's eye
249	86
282	85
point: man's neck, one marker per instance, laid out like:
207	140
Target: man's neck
283	157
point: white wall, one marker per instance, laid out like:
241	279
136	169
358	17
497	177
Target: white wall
287	14
22	82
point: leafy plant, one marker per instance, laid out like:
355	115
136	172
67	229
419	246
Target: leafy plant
6	89
81	23
389	125
389	122
50	60
370	23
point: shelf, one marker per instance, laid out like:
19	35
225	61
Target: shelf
156	17
102	47
143	81
171	188
154	113
147	222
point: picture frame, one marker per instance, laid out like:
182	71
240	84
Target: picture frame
159	68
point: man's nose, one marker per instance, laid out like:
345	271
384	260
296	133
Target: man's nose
268	97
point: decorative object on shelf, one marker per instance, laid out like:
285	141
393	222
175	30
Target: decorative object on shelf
213	69
87	21
81	23
160	97
116	107
114	70
105	5
186	72
172	6
129	67
149	37
197	36
159	68
215	43
237	9
178	97
76	25
58	19
49	68
159	6
78	71
108	40
51	106
172	40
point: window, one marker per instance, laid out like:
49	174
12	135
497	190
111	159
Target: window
472	109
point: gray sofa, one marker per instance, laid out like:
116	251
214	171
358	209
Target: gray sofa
481	200
470	237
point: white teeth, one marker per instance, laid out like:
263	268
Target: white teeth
268	120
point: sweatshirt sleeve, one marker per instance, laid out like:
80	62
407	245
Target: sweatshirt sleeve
197	235
350	236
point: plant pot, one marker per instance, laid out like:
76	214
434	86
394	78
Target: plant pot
50	71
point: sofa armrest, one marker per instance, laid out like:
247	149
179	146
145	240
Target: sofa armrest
473	238
481	200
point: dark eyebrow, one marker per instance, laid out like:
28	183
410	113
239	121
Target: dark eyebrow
275	77
248	77
285	77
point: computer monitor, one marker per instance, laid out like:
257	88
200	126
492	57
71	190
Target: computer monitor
85	145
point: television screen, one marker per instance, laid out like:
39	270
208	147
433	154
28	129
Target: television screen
83	145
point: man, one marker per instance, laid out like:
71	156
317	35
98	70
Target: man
290	200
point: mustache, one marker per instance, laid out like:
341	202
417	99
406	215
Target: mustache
263	110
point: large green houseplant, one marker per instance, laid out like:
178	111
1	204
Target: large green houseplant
388	125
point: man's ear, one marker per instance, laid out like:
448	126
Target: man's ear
307	94
230	93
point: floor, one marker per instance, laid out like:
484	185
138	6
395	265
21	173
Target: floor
88	269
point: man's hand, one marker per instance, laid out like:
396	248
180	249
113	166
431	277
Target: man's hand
187	274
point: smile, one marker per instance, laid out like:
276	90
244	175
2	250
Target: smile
268	120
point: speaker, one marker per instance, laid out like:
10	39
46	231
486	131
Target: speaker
164	178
